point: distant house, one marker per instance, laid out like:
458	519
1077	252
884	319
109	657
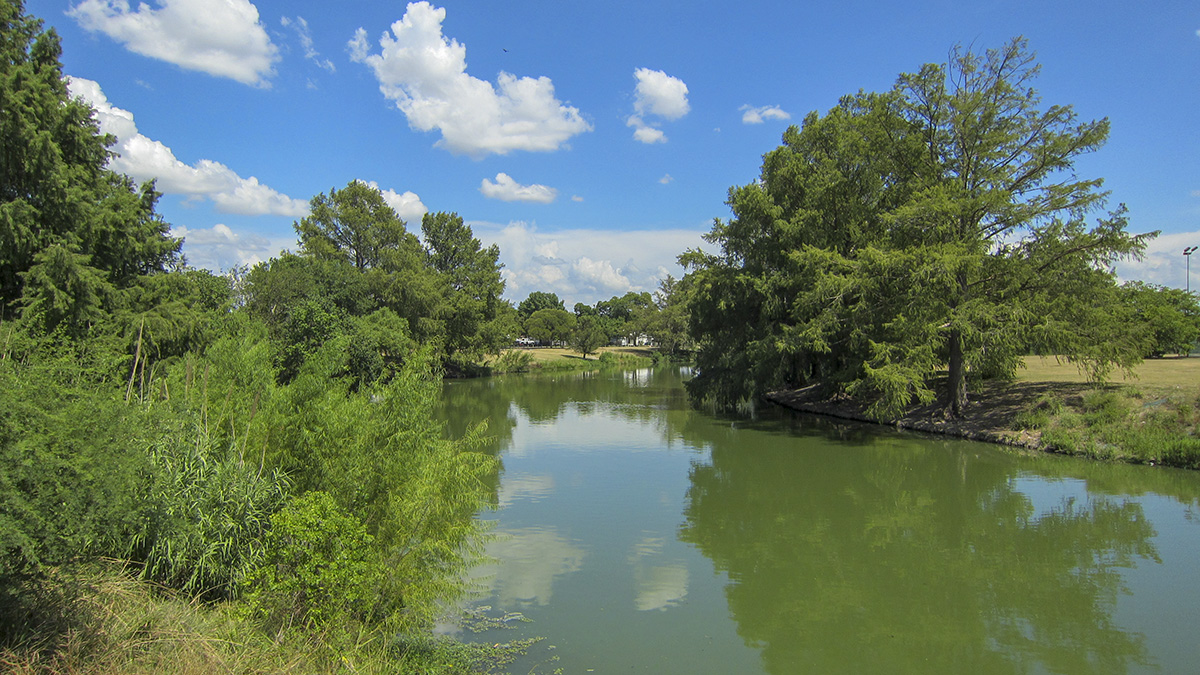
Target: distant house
640	340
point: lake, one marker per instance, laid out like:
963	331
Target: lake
636	534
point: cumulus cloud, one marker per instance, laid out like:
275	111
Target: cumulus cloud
144	159
586	265
408	205
508	190
301	27
424	73
1163	262
219	248
752	115
667	178
219	37
657	95
645	134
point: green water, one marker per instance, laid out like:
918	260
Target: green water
639	535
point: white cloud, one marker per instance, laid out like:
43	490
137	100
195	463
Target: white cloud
408	205
586	265
1163	262
660	95
220	248
425	74
219	37
752	115
645	134
508	190
667	178
306	41
144	159
576	198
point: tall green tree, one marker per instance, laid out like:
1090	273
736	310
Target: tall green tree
550	325
667	323
474	315
936	225
588	335
72	232
355	224
538	300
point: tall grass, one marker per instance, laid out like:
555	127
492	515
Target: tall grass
1122	424
101	620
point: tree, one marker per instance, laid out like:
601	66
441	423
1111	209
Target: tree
355	224
938	224
550	325
79	232
1169	317
538	300
667	323
624	315
588	335
472	313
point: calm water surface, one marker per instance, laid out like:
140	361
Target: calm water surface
639	535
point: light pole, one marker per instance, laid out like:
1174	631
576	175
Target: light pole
1187	258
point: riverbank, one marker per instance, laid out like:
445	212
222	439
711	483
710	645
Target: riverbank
1149	417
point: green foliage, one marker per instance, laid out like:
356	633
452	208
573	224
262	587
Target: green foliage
206	513
538	300
550	325
667	321
1113	424
150	412
1169	317
474	316
876	249
513	361
70	228
71	466
319	568
355	225
588	335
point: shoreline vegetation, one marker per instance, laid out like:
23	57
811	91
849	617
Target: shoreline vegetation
1148	416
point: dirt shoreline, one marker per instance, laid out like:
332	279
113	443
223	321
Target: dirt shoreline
990	414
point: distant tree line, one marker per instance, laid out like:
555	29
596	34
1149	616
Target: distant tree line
658	318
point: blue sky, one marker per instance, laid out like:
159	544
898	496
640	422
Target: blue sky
593	142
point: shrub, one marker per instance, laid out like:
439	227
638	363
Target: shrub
321	568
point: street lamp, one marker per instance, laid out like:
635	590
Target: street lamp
1187	257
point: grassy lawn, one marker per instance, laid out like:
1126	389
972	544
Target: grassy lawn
544	354
1150	416
1173	373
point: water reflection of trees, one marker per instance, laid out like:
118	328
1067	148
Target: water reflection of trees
899	556
849	548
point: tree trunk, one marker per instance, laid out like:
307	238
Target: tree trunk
958	376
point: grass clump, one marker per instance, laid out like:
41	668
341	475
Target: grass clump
100	619
1121	424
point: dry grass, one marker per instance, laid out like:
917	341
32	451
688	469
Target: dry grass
544	354
1170	373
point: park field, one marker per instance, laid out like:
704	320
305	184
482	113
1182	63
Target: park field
544	354
1179	372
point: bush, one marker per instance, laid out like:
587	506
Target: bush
513	361
72	463
321	568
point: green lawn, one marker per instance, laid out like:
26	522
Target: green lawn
1178	372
